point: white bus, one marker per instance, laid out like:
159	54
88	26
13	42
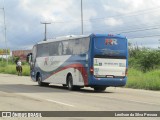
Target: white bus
96	60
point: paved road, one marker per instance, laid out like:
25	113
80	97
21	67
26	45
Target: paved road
21	94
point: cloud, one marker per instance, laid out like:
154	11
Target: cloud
147	42
46	8
23	18
91	13
113	22
112	9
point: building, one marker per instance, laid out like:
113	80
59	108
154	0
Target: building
22	54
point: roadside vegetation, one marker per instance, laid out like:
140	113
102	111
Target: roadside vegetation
11	67
144	68
139	80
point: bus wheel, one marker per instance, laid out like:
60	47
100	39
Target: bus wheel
70	83
64	85
40	83
99	89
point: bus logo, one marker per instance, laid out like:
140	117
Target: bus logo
111	42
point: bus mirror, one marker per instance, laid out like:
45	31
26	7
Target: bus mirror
29	57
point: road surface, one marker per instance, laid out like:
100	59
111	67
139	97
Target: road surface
21	94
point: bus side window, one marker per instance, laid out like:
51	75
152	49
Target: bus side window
43	50
66	48
84	45
60	48
53	49
70	47
77	46
81	46
38	51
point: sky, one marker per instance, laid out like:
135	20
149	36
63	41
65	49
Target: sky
138	20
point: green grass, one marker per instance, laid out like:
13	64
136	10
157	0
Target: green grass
11	69
139	80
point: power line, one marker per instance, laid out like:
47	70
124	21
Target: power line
128	14
145	29
145	36
60	34
133	26
141	30
130	30
119	16
104	18
137	30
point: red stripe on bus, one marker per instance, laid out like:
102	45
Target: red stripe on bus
79	67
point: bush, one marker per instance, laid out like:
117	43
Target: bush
149	59
11	69
144	59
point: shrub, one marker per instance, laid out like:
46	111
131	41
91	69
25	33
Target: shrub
149	59
144	59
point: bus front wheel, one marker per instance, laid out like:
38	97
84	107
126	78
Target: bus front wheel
40	83
99	88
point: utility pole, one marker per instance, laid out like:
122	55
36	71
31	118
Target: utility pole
5	35
5	29
82	16
45	34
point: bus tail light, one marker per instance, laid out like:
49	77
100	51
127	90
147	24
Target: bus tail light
126	72
91	70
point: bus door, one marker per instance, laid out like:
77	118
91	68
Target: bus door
33	62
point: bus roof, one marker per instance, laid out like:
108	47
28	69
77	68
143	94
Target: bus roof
70	37
109	35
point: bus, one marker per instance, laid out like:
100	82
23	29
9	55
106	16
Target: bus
76	61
